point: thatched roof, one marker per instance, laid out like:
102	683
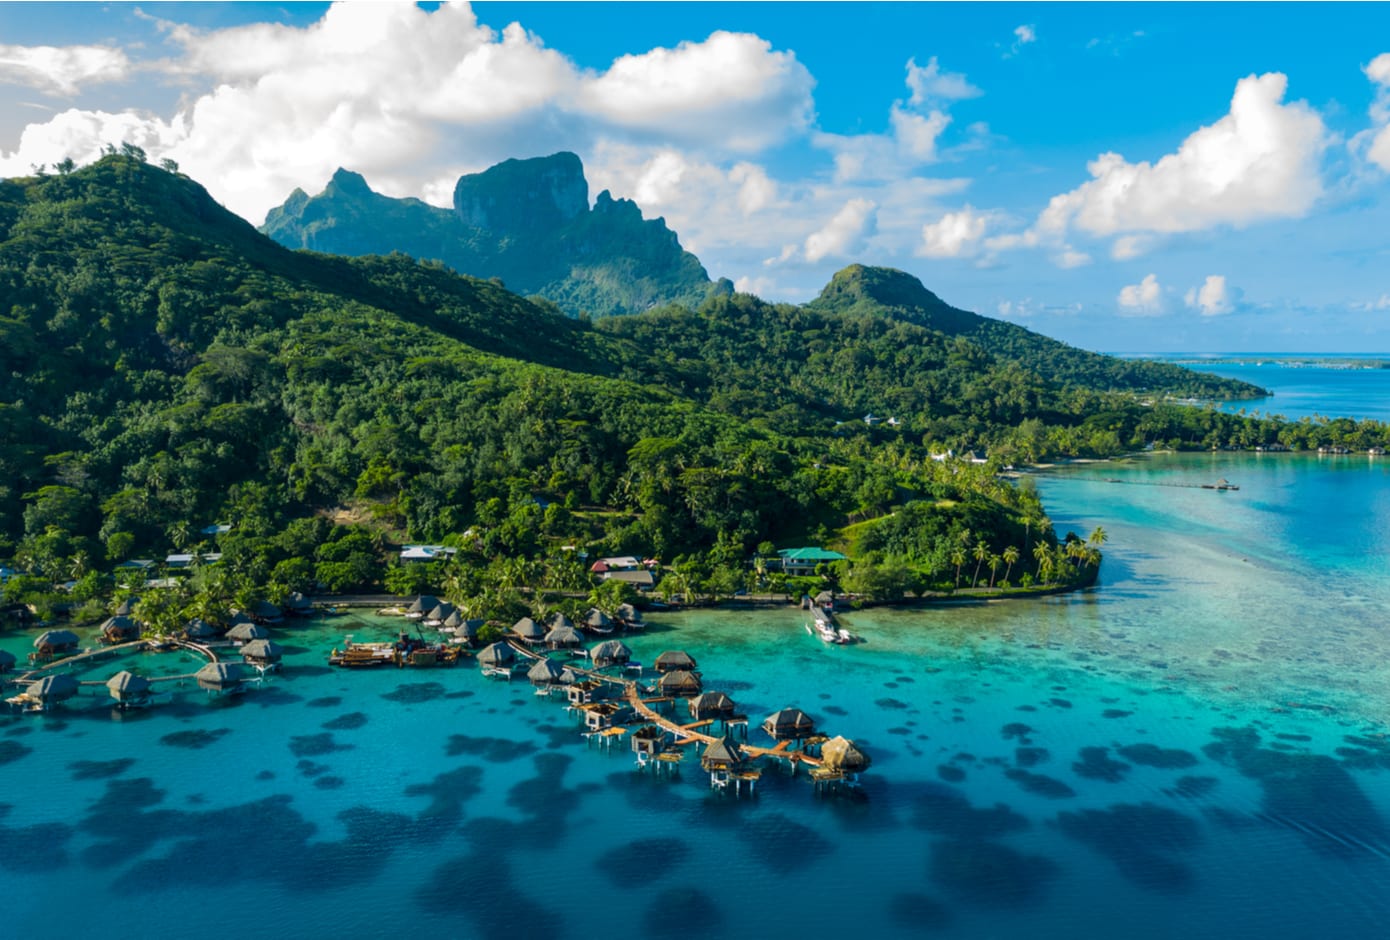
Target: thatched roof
265	650
246	632
566	636
265	610
839	753
468	629
628	613
240	617
440	611
127	606
126	684
199	629
51	638
453	621
597	618
220	676
528	629
423	603
120	628
610	651
724	752
545	672
674	659
568	676
789	723
7	660
711	703
680	682
558	619
825	597
498	654
54	688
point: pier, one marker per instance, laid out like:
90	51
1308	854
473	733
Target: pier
38	673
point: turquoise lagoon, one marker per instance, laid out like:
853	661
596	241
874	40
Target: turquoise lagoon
1197	746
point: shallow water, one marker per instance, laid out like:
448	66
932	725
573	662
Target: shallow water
1197	745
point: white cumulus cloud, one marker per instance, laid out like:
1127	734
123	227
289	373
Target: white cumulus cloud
929	83
1215	297
843	233
954	235
61	70
1260	161
1378	71
1144	299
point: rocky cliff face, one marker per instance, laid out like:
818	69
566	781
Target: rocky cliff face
527	222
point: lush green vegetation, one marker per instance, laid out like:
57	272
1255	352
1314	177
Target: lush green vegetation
166	367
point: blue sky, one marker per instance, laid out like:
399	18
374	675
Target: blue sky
1127	177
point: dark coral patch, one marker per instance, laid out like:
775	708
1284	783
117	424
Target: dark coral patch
944	811
1115	713
989	874
349	722
642	860
100	769
414	693
1139	840
1030	756
1016	730
193	740
1192	788
492	750
315	745
11	751
1097	764
1040	784
1165	758
918	912
950	773
328	701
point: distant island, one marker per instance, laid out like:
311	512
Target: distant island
196	414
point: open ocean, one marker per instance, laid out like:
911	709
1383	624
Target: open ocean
1197	747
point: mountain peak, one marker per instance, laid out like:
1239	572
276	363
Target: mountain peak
349	183
886	286
520	196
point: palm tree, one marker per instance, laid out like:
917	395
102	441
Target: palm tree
993	567
1042	553
1010	556
958	559
1098	537
980	552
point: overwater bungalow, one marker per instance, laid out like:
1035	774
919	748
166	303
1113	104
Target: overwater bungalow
297	605
266	612
564	638
199	629
441	612
246	632
596	621
7	661
263	654
585	692
546	674
647	742
726	763
528	631
840	755
238	618
629	618
671	660
423	605
221	677
46	692
54	643
680	683
467	630
127	607
610	653
120	630
711	705
789	724
129	690
497	659
558	619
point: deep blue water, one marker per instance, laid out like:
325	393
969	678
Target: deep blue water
1196	747
1342	385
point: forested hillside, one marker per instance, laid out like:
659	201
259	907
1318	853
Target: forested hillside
166	367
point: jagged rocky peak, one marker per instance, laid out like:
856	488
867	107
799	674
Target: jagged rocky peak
518	196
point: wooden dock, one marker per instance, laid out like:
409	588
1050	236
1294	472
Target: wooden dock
101	652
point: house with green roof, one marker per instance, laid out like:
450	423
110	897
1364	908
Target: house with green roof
800	561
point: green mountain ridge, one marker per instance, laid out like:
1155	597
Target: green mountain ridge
525	222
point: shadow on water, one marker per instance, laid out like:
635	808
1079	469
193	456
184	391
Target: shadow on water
1139	840
642	860
989	874
40	847
1311	794
946	812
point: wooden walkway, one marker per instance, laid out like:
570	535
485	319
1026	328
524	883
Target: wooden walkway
684	733
100	652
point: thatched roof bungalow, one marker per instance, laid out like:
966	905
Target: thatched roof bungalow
199	629
497	656
546	673
840	754
441	612
528	631
246	632
597	621
127	607
266	612
221	677
680	683
262	652
789	724
423	605
129	689
564	637
52	689
671	660
723	754
649	740
558	619
56	642
120	630
610	653
711	705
